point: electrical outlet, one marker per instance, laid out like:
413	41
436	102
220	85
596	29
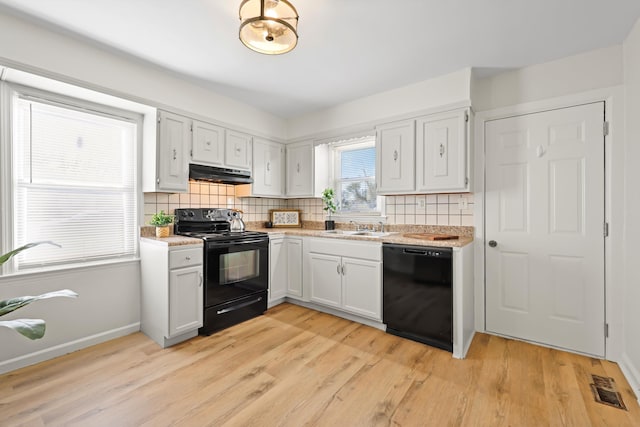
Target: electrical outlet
421	203
463	204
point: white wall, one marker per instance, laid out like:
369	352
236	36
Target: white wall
108	306
33	48
631	356
574	74
449	89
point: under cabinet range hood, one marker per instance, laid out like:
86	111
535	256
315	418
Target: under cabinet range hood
219	175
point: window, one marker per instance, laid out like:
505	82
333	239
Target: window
355	176
74	178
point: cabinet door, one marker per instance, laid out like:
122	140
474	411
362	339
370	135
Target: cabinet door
185	300
174	136
441	152
208	144
300	170
294	267
237	150
277	269
326	279
362	287
395	157
268	168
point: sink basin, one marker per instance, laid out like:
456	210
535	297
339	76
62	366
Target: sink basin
360	233
375	233
343	232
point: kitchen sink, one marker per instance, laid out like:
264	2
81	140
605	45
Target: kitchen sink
360	233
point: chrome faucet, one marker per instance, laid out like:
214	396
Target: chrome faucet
381	226
356	225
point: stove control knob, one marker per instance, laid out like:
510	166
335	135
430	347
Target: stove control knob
191	214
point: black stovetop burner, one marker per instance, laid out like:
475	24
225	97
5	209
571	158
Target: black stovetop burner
209	224
224	235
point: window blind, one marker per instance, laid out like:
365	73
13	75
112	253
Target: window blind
74	183
356	183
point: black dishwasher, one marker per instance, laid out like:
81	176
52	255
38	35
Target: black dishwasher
417	300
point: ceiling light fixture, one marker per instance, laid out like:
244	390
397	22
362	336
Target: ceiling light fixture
268	26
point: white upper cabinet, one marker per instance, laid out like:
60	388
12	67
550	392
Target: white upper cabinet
395	157
300	170
237	150
174	138
441	152
268	168
208	144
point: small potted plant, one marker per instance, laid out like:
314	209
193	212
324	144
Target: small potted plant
329	206
162	222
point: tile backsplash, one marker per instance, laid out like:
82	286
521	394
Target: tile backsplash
421	209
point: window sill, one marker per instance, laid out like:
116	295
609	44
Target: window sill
66	268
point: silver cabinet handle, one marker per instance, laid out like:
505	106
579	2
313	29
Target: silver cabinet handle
208	142
343	270
188	258
175	154
441	150
493	243
298	168
338	268
201	280
238	150
268	166
395	155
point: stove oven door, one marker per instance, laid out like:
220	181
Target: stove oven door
235	269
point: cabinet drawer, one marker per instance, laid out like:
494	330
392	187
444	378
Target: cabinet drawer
363	250
185	257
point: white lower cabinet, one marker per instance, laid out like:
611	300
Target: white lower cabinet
172	294
336	278
285	268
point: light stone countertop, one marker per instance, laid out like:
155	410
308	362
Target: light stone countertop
465	235
397	238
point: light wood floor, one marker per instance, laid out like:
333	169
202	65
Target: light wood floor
296	367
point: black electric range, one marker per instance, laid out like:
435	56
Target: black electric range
236	267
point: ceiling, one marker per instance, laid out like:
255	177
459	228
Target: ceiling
347	48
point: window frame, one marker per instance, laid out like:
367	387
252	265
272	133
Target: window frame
337	147
8	91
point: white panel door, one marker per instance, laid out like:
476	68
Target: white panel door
300	170
294	267
208	144
173	146
395	157
185	300
441	152
277	269
544	228
268	168
362	287
237	150
326	279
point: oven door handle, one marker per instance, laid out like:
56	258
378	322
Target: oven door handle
236	242
239	306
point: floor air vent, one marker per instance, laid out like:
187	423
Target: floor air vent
605	392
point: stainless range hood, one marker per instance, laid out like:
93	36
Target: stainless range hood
219	175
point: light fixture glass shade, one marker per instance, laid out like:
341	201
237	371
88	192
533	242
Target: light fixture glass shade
268	26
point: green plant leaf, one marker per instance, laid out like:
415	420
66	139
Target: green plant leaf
6	257
31	328
9	305
161	219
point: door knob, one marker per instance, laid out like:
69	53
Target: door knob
493	243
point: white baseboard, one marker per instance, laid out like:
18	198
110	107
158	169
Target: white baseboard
631	373
62	349
339	313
